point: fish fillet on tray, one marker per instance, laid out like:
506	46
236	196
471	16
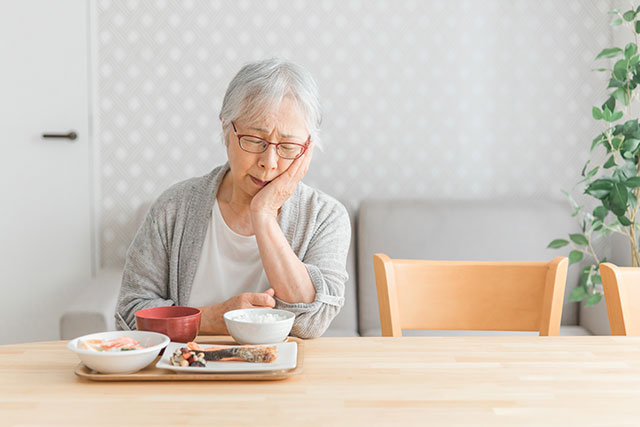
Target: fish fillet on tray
225	358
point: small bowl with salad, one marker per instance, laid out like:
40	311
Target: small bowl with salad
118	352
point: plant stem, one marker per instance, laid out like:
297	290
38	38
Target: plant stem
635	256
593	252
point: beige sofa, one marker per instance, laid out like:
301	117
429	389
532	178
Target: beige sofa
506	230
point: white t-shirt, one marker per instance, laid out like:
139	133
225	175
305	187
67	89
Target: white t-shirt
229	265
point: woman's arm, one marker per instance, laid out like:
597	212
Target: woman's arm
325	260
145	280
287	275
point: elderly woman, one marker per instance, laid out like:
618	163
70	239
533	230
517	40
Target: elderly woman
250	233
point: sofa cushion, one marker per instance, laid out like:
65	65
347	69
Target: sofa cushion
93	308
345	324
474	230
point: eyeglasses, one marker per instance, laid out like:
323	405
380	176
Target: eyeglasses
256	145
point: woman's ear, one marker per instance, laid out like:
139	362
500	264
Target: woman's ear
225	134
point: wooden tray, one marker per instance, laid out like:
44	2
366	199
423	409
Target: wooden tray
151	373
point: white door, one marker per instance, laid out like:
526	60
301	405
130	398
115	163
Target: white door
45	184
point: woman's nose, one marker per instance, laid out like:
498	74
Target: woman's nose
269	158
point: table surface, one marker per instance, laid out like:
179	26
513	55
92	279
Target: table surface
587	380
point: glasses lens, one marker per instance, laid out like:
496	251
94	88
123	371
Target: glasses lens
252	145
289	151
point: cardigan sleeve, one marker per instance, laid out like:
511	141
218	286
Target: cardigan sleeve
145	280
325	260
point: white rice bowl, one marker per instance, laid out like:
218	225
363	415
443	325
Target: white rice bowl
259	325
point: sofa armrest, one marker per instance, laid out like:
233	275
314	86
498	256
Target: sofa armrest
93	308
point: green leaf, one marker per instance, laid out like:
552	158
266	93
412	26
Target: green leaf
576	211
616	142
638	26
616	22
618	197
614	11
600	188
596	113
597	140
633	182
630	144
616	116
591	173
609	53
624	220
575	256
593	299
631	129
629	168
630	50
611	161
600	212
625	171
621	95
579	239
620	69
609	103
557	243
578	294
584	168
616	83
633	201
629	16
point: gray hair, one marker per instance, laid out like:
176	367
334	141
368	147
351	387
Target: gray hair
260	86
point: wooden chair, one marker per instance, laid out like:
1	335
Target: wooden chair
463	295
622	293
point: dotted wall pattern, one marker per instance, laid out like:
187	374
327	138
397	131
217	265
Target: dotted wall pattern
454	99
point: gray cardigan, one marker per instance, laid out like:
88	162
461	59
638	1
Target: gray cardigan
163	258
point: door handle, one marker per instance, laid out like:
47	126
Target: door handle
71	135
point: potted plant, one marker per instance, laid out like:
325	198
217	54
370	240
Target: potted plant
612	184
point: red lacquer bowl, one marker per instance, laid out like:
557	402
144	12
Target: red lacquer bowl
180	324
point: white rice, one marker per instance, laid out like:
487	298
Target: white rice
260	317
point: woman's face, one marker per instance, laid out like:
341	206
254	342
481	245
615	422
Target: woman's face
250	171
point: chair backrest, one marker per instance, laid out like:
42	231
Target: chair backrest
470	295
622	293
459	230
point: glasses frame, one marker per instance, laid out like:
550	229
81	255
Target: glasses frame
277	144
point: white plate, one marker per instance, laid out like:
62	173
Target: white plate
287	359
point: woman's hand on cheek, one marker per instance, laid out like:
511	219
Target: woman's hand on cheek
270	198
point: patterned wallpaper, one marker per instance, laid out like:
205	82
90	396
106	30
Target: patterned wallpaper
430	99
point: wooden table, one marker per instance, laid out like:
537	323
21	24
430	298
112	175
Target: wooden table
358	381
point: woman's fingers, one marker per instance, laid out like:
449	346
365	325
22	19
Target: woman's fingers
262	300
270	291
304	162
